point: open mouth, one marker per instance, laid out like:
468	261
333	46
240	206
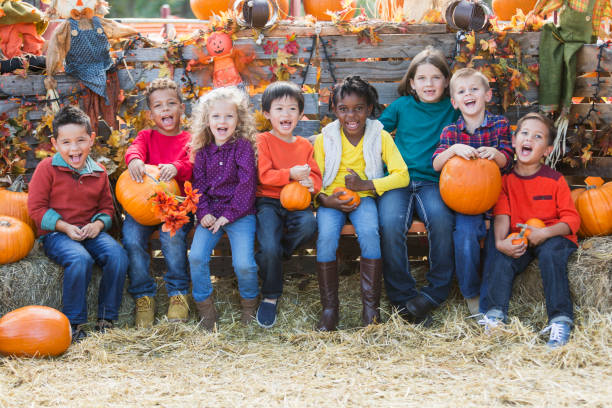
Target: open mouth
470	103
167	120
286	124
351	125
222	131
525	150
75	159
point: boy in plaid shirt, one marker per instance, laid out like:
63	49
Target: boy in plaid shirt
476	134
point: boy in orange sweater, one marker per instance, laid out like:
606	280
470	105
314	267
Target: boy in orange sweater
532	190
283	158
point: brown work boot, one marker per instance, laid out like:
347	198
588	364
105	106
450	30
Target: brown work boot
145	311
327	273
178	309
207	313
371	282
249	308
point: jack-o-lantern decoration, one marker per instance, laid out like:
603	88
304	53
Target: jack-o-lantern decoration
220	47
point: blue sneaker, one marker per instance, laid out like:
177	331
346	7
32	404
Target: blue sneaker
559	334
266	314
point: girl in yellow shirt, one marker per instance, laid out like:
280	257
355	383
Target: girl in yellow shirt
352	152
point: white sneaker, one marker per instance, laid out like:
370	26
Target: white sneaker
490	323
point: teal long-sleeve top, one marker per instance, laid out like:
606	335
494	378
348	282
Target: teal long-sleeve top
418	127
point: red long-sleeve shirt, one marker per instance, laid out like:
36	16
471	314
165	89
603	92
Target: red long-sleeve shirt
544	195
155	148
275	159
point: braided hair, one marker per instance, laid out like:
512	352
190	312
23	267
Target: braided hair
357	86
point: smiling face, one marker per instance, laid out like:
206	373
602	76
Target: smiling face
73	144
222	120
352	111
470	96
166	110
531	142
429	83
219	44
284	116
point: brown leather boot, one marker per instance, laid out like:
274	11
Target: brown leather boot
327	273
249	308
207	313
371	282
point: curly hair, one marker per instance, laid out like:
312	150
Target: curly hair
162	83
201	135
358	86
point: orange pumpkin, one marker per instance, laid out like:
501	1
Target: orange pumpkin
319	8
134	197
34	331
204	9
470	186
346	194
295	196
16	239
505	9
594	204
517	239
535	223
14	202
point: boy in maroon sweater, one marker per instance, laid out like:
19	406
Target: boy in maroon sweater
71	203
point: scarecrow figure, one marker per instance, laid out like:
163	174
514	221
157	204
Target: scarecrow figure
21	27
220	47
80	45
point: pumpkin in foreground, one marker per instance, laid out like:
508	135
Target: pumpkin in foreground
14	202
470	186
295	196
34	331
16	239
134	197
345	194
594	204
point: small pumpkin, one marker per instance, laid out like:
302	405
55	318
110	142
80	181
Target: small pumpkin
346	194
518	239
470	186
594	204
535	223
16	239
295	196
134	197
319	8
14	202
34	331
505	9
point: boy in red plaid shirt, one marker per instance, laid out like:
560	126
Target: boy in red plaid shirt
476	134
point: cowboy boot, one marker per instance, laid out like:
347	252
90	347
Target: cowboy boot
327	273
207	313
249	309
371	282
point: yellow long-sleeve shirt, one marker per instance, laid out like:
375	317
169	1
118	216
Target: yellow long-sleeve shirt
352	158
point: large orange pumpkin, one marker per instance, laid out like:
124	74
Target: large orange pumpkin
204	9
295	196
505	9
34	331
594	204
470	186
16	239
319	8
134	197
346	194
14	202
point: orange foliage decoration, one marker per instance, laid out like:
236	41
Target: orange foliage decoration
173	209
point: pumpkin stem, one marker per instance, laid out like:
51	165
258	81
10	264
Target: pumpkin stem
18	185
5	223
152	178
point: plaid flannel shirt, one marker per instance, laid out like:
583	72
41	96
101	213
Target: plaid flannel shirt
601	10
493	132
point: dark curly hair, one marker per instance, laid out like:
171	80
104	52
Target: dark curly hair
357	86
71	115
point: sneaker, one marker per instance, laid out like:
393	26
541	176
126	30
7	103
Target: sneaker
178	309
559	334
266	314
78	332
490	323
103	325
145	311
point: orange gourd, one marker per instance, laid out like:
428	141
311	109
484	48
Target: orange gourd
517	239
470	186
134	197
16	239
594	204
34	331
346	194
204	9
319	8
505	9
535	223
295	196
14	202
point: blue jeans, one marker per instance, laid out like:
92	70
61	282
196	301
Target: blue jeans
241	234
469	230
136	242
279	233
77	259
330	222
395	211
552	257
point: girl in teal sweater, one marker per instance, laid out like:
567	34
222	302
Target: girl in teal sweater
418	116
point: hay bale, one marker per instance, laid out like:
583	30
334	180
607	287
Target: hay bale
589	272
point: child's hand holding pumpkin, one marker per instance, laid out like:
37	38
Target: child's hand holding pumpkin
506	247
136	168
167	172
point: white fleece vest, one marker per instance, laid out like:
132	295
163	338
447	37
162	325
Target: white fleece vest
372	150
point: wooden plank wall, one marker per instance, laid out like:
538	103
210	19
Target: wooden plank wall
383	65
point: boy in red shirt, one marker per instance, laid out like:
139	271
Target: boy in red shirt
533	190
165	146
283	158
72	231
